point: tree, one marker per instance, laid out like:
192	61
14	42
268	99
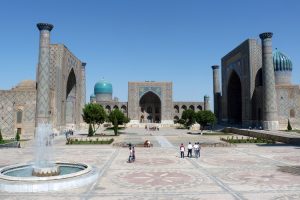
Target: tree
189	117
94	114
205	117
117	117
289	127
91	132
17	136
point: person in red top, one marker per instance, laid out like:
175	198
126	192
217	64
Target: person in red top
181	148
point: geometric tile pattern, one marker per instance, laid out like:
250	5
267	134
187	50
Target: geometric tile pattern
43	79
278	102
238	172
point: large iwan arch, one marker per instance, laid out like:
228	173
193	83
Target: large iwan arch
234	98
150	106
71	99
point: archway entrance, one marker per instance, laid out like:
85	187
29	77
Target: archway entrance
150	108
71	98
234	99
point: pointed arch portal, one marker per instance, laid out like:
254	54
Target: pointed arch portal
234	99
150	106
71	98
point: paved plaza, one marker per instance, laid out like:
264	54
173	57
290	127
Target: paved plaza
245	171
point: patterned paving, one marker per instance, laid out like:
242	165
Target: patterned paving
242	172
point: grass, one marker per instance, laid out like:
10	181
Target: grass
6	141
216	133
235	140
88	141
294	130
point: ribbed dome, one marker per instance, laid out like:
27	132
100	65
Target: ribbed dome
281	62
103	87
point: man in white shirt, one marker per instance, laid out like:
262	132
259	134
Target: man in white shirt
190	148
196	150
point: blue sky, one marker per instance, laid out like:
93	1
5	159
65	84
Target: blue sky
138	40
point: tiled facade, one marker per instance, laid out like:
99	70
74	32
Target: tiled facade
67	90
164	110
245	63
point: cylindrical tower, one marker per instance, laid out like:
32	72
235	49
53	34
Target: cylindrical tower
206	103
216	88
270	115
43	85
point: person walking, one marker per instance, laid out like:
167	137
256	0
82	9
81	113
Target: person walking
190	148
181	148
130	158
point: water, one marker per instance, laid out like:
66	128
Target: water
27	171
43	146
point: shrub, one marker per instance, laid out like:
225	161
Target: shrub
289	127
17	136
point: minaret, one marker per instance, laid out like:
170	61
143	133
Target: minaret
216	89
270	115
43	85
83	89
206	103
83	83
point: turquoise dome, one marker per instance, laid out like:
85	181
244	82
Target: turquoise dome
92	96
103	87
281	62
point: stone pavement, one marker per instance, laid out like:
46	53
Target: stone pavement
242	172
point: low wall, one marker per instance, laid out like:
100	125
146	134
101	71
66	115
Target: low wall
14	144
288	139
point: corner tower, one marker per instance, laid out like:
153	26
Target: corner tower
43	81
270	115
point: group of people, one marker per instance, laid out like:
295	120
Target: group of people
190	148
68	133
151	128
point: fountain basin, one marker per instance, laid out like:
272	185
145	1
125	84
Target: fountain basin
18	178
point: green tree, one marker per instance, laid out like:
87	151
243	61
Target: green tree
17	136
289	127
117	117
205	117
94	114
1	138
91	132
189	117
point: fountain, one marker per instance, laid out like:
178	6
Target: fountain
44	174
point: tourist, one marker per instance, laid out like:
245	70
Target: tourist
190	148
130	154
196	150
181	148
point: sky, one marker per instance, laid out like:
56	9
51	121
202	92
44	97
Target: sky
144	40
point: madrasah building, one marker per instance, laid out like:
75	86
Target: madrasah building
61	97
148	102
257	89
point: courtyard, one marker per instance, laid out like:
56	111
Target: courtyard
243	171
